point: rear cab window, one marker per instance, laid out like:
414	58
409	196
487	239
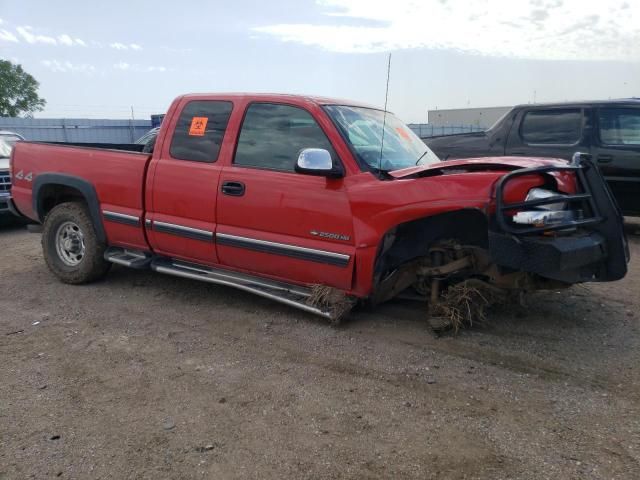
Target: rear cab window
552	127
619	126
200	129
272	136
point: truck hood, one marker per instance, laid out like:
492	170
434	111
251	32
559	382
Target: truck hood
4	164
478	164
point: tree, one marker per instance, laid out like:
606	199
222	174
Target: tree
18	91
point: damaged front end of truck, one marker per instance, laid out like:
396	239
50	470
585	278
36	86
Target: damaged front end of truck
548	240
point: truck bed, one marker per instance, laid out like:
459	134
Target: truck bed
116	175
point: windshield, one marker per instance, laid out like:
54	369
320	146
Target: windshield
362	128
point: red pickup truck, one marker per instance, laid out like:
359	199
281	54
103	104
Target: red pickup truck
316	203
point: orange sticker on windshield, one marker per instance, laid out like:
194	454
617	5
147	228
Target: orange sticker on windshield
403	134
198	126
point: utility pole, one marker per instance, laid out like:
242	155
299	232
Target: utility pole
132	128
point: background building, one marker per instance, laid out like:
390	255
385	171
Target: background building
426	130
478	117
76	129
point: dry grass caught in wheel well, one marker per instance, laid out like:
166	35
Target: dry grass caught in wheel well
464	304
331	299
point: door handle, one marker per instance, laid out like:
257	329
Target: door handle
518	153
605	158
235	189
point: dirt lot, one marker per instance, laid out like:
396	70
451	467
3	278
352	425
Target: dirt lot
149	376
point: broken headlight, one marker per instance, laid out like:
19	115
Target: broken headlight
547	214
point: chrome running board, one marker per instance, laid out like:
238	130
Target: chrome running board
285	293
128	258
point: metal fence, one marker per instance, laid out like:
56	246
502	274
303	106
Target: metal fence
77	129
424	130
128	131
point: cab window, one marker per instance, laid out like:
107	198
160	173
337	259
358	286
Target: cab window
552	127
200	129
619	126
273	135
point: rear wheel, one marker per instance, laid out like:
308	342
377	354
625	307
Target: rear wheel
70	245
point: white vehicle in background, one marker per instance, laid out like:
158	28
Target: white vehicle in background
10	137
7	141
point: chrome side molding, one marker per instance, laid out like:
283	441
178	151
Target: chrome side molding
117	217
303	253
182	231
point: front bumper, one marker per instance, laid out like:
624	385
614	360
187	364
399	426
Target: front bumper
8	207
5	201
592	249
571	259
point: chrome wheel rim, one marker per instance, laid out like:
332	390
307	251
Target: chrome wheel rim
70	244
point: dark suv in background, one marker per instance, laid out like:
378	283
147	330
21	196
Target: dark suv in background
609	130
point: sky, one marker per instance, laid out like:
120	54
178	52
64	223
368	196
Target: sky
118	58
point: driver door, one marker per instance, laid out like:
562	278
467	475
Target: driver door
274	221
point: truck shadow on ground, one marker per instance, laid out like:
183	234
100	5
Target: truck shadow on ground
632	227
572	313
579	336
10	225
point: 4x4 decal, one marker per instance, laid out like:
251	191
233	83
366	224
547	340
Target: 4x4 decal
28	177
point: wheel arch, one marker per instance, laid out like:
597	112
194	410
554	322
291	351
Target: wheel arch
410	240
51	189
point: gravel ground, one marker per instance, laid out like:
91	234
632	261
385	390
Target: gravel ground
150	376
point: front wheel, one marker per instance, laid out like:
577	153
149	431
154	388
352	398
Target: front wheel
70	245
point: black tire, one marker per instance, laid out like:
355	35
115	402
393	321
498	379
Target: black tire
74	265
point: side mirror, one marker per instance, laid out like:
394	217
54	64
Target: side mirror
317	161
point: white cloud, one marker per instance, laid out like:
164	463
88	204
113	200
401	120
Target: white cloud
138	68
68	67
67	40
124	46
28	36
7	36
537	29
